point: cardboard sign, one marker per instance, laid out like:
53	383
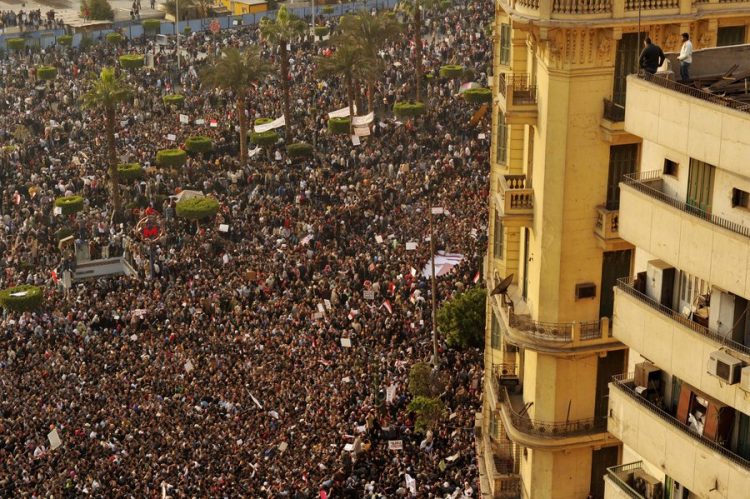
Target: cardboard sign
188	367
54	439
379	239
411	246
184	119
346	342
171	137
395	444
223	228
368	294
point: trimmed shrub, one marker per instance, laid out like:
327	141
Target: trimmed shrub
328	9
187	30
113	38
199	144
129	171
151	26
21	298
46	72
131	61
69	204
299	150
173	100
451	71
408	109
264	139
65	40
171	157
197	208
478	95
16	43
445	4
320	30
339	125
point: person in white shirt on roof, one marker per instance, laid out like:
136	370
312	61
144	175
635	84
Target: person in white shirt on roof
685	57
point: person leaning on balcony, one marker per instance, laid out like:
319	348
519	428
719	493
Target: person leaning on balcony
652	57
685	57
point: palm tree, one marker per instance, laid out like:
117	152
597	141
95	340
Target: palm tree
236	72
281	31
371	34
346	62
106	92
414	10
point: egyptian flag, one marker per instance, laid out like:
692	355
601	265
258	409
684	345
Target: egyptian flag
387	305
476	277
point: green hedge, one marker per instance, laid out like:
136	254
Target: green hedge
16	43
113	38
151	26
339	125
321	30
65	40
129	171
69	204
197	208
187	30
46	72
299	150
131	61
173	100
26	298
264	139
451	71
478	95
408	109
171	157
199	144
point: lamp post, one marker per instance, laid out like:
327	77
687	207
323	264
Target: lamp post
177	32
435	361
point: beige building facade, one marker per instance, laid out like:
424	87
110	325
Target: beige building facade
560	148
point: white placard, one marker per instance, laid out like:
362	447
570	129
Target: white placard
321	308
395	444
346	342
368	294
437	210
349	447
172	137
390	393
200	121
379	239
362	131
184	119
223	228
54	439
341	113
355	140
328	304
411	246
482	136
363	120
188	366
57	210
283	446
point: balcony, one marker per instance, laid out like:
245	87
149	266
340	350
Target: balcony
697	462
700	243
547	435
553	338
607	230
516	201
519	103
675	342
612	125
631	481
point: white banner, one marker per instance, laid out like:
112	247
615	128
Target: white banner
362	131
341	113
277	123
363	120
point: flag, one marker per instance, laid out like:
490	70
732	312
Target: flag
411	484
392	288
54	276
388	307
213	124
476	277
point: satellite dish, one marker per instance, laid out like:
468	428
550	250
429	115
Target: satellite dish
502	286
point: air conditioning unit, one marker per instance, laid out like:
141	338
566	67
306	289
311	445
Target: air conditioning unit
745	378
724	367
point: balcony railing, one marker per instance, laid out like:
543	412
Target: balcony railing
696	92
523	423
582	6
607	223
626	385
523	88
613	112
627	285
517	198
563	332
650	183
618	475
651	4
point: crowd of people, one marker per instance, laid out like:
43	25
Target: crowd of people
220	370
30	20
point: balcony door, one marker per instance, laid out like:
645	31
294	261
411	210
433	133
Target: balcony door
601	460
615	264
626	63
622	161
700	185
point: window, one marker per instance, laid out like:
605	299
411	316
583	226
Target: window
670	167
502	139
740	198
493	426
585	290
730	35
497	249
505	44
495	332
622	161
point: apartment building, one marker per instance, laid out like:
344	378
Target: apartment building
559	150
682	408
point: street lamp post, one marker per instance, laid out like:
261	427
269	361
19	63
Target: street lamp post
435	360
177	32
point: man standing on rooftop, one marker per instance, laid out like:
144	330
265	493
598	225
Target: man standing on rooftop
652	57
685	57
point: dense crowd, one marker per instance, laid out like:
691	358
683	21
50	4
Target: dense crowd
29	20
220	372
